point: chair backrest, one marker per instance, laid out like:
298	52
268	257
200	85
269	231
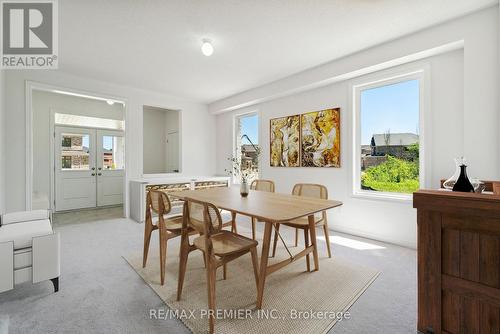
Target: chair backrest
311	190
202	216
262	185
158	202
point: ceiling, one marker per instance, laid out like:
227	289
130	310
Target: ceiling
155	45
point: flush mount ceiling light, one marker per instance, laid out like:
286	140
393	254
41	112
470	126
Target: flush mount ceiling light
207	48
110	102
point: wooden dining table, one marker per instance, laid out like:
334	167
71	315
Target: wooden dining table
269	208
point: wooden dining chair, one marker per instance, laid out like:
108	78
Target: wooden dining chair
261	185
158	203
218	246
307	190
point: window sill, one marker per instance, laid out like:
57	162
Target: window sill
384	196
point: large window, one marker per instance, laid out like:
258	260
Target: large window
387	136
247	148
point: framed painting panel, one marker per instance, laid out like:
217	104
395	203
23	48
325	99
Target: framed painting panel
285	141
320	138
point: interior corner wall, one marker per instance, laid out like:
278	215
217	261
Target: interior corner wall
463	118
2	141
198	136
154	158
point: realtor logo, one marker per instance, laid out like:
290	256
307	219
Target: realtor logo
29	34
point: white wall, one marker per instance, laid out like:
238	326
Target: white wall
478	31
2	141
463	119
362	216
45	102
155	159
198	137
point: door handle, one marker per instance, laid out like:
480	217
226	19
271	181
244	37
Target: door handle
99	174
93	174
93	168
99	168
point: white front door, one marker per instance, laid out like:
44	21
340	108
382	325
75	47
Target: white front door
110	167
89	167
75	175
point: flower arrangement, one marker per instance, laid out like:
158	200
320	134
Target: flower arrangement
244	173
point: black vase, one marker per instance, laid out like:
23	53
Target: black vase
463	184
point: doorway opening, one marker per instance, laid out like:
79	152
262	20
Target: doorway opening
78	152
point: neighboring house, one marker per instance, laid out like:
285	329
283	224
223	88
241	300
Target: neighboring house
395	144
108	159
73	154
249	157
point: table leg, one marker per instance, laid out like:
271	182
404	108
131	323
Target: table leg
263	263
314	242
233	222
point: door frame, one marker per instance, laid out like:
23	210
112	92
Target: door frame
30	86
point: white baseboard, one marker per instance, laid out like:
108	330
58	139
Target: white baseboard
374	236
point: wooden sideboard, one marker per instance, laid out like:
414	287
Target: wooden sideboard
140	187
458	250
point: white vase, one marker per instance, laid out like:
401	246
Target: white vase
244	188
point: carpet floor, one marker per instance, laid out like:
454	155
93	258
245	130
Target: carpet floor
101	293
334	288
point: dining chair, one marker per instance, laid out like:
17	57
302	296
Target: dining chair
158	202
307	190
262	185
218	246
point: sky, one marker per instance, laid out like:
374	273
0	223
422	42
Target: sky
250	127
394	107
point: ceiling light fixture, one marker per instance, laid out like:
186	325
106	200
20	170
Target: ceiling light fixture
110	102
207	48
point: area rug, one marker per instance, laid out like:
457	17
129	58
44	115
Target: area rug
295	301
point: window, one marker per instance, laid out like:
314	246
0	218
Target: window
387	137
75	151
113	152
247	148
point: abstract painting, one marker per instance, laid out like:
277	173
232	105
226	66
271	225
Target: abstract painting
285	141
321	138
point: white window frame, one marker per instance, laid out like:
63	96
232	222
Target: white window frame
420	74
236	118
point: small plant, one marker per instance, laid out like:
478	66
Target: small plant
237	170
241	172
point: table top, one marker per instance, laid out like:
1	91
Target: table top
262	205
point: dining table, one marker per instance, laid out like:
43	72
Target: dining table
269	208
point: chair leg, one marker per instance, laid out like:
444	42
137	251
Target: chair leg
147	238
253	228
306	242
275	243
327	238
211	294
255	262
296	237
55	282
183	257
163	255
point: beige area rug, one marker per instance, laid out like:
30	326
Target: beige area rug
332	290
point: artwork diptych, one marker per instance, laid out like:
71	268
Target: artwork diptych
308	140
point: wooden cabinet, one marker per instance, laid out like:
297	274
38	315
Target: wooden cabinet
458	250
